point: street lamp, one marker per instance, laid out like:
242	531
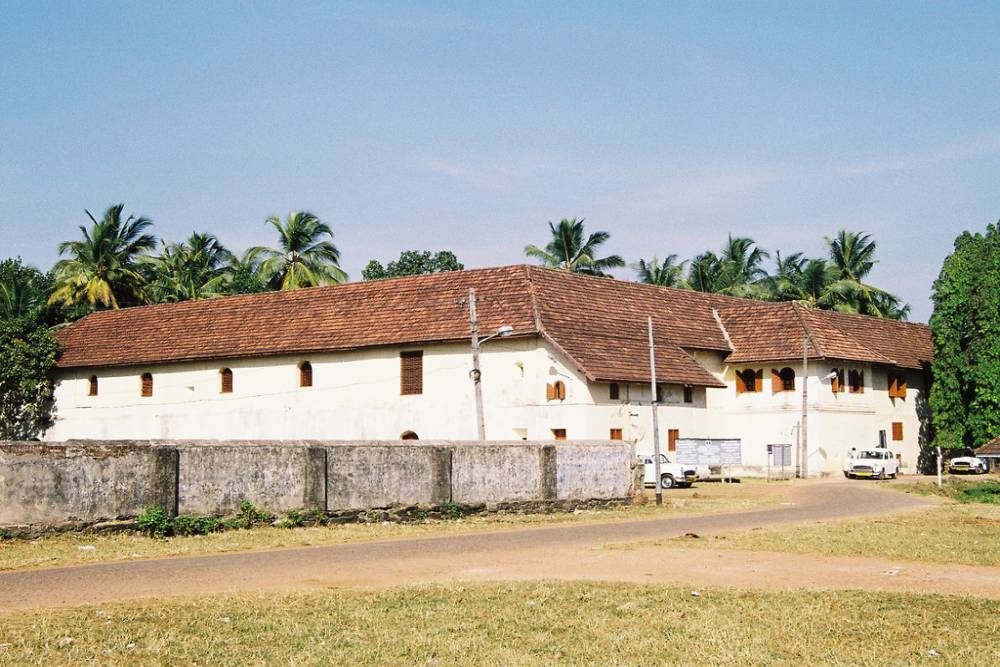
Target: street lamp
476	374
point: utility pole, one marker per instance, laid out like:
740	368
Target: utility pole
476	374
804	433
656	421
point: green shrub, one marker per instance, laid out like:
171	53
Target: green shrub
154	522
452	511
6	535
980	492
250	515
196	525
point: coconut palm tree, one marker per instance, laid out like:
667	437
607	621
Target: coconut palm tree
742	261
103	269
704	272
23	290
852	253
569	251
305	256
194	269
666	274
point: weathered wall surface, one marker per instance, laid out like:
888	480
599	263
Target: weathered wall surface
390	473
492	473
86	482
50	483
214	478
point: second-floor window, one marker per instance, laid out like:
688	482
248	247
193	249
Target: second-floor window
688	394
92	388
837	383
856	382
147	385
305	374
897	385
614	391
783	380
411	373
749	381
555	391
226	381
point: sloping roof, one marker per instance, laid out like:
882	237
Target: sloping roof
991	448
598	323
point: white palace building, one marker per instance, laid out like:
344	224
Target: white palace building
391	359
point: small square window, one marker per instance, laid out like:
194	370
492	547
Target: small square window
616	434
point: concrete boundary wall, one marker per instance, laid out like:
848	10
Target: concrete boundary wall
94	481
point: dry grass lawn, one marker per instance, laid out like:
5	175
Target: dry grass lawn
77	549
967	534
514	624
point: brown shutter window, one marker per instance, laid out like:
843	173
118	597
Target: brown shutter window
559	433
672	435
616	434
787	379
614	391
559	389
776	381
901	386
147	385
892	386
837	384
688	394
92	389
226	380
897	431
759	381
857	381
411	373
550	392
305	374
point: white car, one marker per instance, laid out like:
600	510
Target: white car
671	474
872	463
967	464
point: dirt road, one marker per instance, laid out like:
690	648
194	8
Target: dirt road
565	552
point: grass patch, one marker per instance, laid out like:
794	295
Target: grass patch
960	490
77	549
513	624
954	534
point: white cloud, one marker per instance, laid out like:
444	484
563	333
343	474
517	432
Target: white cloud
973	147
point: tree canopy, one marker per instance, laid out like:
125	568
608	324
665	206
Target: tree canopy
965	396
570	251
412	263
305	255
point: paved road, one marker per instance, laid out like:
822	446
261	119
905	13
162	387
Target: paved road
572	551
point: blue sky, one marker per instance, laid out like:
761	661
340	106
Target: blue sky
468	126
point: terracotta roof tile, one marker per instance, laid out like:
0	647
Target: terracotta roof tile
599	323
991	447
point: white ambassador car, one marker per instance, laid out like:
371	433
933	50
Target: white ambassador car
671	474
971	465
872	463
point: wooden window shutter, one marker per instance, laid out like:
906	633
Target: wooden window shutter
92	389
147	385
776	384
861	382
560	389
226	380
672	435
901	386
759	381
550	392
740	384
897	431
837	384
305	374
616	434
411	373
892	385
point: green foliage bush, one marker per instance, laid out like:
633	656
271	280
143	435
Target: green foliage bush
154	522
196	525
965	396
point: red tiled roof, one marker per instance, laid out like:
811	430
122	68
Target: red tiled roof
598	323
992	447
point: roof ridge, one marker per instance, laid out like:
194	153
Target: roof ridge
805	328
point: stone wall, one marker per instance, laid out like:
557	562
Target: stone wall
92	481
